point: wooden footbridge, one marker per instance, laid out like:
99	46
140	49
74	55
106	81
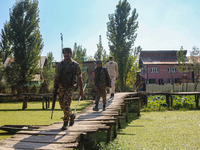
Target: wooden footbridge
86	123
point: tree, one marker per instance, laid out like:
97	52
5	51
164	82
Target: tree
101	52
121	35
78	53
194	58
182	65
134	67
26	39
49	72
5	44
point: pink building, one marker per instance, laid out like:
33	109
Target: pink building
160	67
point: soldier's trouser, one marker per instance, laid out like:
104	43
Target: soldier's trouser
101	92
65	98
112	89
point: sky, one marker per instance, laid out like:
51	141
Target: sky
163	24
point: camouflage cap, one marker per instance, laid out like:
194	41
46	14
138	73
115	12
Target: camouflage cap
67	49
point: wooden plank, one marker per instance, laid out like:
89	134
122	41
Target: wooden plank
6	148
58	132
131	98
33	145
56	139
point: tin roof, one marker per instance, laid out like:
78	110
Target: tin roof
160	57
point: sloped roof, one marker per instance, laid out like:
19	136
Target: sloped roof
8	61
41	61
160	57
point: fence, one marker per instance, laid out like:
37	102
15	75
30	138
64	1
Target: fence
176	87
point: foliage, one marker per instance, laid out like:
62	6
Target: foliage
100	54
121	35
5	44
158	102
195	56
26	39
133	65
49	71
183	66
78	53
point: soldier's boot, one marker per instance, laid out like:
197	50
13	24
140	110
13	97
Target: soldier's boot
95	108
64	127
72	118
112	96
104	107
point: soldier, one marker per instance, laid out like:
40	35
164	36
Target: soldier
101	80
113	73
67	73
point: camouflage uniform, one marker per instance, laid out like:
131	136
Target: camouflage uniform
102	80
65	90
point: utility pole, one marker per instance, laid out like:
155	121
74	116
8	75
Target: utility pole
61	45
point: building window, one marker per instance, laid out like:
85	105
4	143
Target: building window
152	81
160	81
154	70
172	80
171	70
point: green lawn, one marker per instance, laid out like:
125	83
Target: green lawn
152	130
169	130
12	114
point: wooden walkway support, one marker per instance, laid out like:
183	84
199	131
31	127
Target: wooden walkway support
86	123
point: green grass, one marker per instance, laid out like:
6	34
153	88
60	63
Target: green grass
12	114
155	131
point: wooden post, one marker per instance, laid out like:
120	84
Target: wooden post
25	99
109	135
167	100
139	105
197	101
145	100
126	109
46	102
115	129
81	145
171	101
42	102
119	123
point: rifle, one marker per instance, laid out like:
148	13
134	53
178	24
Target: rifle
73	116
54	101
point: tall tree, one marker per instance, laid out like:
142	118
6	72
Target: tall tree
48	73
183	66
26	39
121	34
134	67
5	44
100	54
78	53
195	59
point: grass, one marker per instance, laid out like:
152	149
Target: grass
154	131
12	114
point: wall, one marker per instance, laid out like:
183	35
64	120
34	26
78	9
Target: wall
169	87
163	74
